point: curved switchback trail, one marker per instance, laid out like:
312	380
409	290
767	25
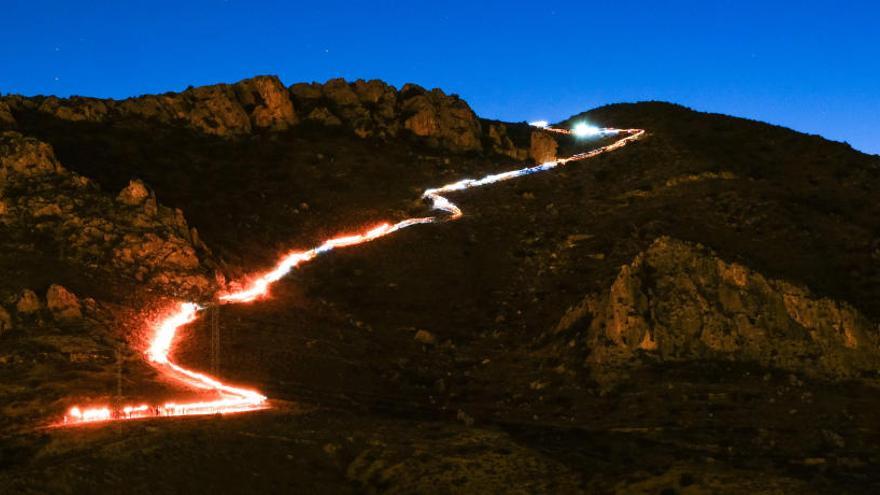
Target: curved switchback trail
235	399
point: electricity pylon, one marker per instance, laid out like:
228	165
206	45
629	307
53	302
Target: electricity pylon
215	338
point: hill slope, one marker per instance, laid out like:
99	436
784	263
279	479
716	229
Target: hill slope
472	352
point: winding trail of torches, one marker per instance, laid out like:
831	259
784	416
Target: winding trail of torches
234	399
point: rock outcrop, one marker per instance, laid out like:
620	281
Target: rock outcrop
63	304
678	301
5	321
448	119
25	157
324	116
6	118
136	193
376	109
132	235
501	143
28	302
266	102
543	147
77	108
213	110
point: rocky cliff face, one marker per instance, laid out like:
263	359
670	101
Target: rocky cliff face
678	301
132	235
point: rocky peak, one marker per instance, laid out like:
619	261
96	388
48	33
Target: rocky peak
678	301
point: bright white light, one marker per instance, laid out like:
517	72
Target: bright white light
539	123
585	130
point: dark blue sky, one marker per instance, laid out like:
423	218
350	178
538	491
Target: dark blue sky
813	66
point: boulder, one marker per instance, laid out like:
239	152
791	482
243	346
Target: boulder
63	304
6	118
136	193
425	337
28	302
543	147
50	210
5	321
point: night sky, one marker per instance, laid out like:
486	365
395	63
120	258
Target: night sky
813	66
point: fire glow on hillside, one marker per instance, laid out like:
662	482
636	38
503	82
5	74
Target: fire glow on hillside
231	399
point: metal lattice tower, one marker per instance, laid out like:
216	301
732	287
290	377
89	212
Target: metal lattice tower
118	376
215	338
117	406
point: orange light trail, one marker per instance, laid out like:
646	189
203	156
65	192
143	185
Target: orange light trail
235	399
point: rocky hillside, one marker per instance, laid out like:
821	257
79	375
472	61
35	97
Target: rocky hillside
131	235
696	312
